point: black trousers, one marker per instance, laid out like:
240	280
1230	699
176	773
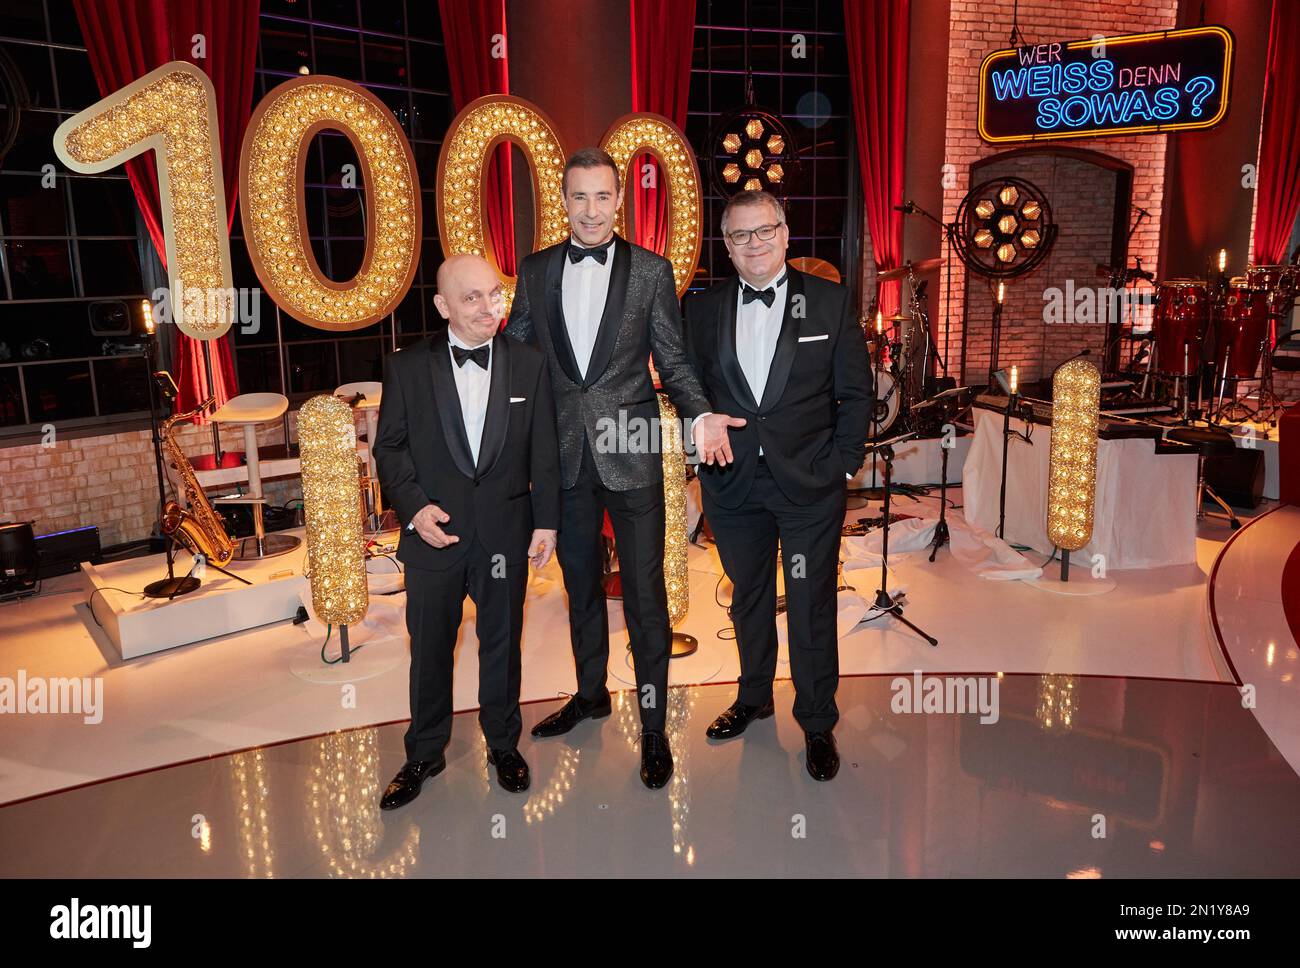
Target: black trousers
434	605
638	518
809	535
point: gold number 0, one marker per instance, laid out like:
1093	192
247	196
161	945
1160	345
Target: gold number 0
486	122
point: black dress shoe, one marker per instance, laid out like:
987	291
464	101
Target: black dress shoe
406	785
656	760
823	760
571	714
512	771
735	718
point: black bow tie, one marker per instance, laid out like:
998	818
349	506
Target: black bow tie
577	253
479	355
768	295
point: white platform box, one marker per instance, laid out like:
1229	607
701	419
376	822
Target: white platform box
140	626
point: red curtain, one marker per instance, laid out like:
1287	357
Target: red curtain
663	34
473	31
876	32
125	39
1277	198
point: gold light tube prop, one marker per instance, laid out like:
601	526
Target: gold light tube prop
1072	475
677	582
331	499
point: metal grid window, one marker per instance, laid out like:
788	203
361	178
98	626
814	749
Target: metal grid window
810	93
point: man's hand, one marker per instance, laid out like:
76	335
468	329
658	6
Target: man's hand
711	440
426	523
541	547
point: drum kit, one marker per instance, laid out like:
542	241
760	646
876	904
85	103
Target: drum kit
901	348
1230	326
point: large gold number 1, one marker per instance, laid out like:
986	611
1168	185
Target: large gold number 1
173	112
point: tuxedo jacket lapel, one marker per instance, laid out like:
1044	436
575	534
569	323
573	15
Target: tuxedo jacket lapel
555	312
727	357
448	400
786	343
497	417
611	320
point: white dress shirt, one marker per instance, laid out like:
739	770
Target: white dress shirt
757	329
472	385
584	287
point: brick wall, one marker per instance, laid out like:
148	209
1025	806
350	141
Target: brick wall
109	481
976	29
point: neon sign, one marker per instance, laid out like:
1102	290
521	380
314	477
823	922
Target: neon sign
1173	80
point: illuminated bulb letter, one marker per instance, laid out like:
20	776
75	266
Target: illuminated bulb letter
271	165
172	112
676	576
1072	479
635	134
473	136
331	500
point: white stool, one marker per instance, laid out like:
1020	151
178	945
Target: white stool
371	393
248	410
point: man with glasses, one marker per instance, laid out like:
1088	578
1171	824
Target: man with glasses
784	351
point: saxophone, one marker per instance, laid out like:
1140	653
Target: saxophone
200	529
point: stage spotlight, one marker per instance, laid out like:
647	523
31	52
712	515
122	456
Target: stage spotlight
751	151
1003	228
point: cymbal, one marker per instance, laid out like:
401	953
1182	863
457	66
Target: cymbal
925	265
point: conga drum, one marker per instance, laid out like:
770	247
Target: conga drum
1243	331
1182	310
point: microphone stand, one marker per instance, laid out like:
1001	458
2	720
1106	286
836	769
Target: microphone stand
886	602
949	229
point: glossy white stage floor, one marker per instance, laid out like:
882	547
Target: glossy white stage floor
1186	781
1255	594
239	692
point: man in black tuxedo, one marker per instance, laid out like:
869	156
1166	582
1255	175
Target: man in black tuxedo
598	307
783	350
467	425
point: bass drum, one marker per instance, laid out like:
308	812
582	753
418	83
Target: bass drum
887	403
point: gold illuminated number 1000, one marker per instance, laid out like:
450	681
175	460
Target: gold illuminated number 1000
172	111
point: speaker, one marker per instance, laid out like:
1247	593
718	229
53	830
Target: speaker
1237	477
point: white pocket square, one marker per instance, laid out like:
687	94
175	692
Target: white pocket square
518	399
813	339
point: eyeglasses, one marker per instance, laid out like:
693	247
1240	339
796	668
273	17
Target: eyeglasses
765	233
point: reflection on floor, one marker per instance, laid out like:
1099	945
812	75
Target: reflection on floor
1079	777
241	690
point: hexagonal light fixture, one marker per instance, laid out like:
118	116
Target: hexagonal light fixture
751	150
1004	228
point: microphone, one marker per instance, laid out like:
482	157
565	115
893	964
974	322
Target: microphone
907	208
1081	353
